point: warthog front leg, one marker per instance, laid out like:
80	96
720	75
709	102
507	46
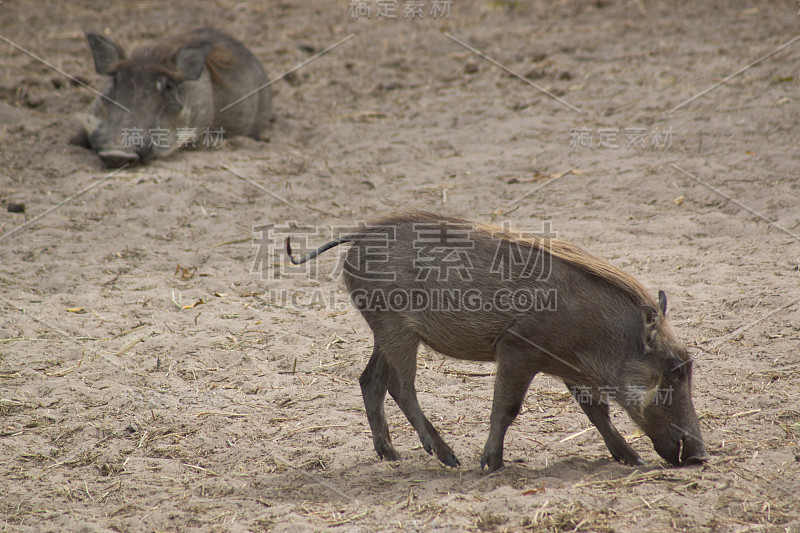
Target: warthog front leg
597	412
516	367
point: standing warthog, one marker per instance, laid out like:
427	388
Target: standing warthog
532	304
172	94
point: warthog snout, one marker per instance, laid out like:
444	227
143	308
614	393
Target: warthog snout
681	447
118	158
693	451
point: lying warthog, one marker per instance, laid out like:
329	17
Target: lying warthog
456	286
173	93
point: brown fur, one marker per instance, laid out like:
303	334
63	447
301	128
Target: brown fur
161	57
561	249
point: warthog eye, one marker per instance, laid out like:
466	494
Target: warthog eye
680	368
115	79
165	84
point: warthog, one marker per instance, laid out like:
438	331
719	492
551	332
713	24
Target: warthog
456	286
173	93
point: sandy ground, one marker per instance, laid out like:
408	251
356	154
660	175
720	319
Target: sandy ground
158	374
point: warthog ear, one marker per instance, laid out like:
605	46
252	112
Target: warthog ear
650	322
191	60
105	52
662	302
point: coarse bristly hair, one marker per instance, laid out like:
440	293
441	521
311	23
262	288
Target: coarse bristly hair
563	250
